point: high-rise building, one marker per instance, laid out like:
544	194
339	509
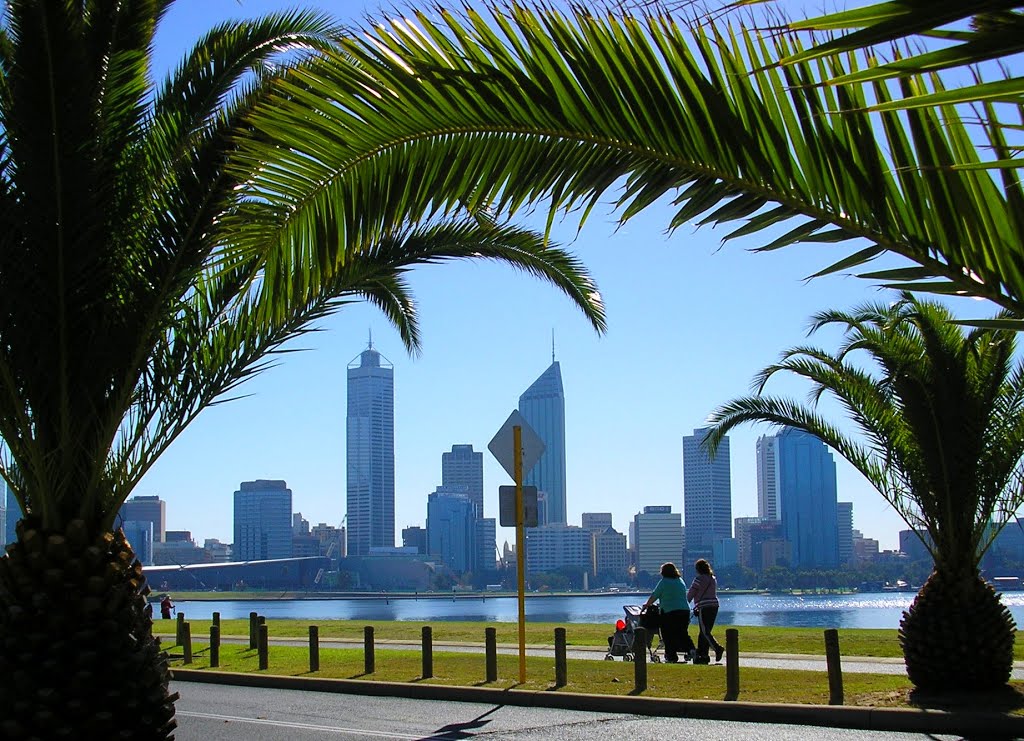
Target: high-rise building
745	529
807	494
555	546
486	557
609	556
465	467
370	453
140	536
151	509
12	513
707	495
914	544
597	522
767	477
658	535
844	532
263	520
415	537
543	407
451	529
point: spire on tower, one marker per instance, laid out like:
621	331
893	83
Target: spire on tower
370	345
552	344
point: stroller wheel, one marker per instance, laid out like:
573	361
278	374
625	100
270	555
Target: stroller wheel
656	659
627	657
609	657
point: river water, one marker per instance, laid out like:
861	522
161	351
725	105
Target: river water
869	610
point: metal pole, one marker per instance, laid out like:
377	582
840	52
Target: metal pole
517	457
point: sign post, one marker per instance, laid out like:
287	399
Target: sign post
522	454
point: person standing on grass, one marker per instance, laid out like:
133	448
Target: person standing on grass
670	593
703	593
166	606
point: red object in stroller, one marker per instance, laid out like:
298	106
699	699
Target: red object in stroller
623	641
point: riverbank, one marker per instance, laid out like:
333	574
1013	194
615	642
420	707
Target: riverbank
236	596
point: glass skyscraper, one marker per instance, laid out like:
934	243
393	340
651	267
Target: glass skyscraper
464	467
807	498
543	407
370	453
263	520
451	529
707	495
767	477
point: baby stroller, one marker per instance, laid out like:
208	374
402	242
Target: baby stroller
622	642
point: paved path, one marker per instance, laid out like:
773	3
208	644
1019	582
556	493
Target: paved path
804	662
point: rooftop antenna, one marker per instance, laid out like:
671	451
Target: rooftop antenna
370	330
552	344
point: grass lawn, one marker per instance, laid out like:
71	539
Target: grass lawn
809	641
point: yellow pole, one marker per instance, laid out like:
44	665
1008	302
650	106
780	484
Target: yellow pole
517	457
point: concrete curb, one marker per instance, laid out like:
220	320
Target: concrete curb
833	716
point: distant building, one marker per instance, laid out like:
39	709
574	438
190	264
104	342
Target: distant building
415	537
12	513
659	538
596	522
140	537
555	546
370	453
767	478
332	540
216	552
543	407
725	553
486	557
451	529
150	509
707	495
864	549
913	544
749	528
263	520
178	536
465	467
610	559
774	552
276	574
844	533
807	490
177	552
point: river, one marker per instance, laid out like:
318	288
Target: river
868	610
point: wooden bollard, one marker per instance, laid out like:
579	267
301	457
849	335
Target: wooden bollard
179	629
491	652
314	648
640	659
253	629
428	653
264	645
216	619
186	642
214	645
560	669
835	670
368	662
732	664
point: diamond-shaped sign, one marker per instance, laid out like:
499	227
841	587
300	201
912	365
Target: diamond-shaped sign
502	442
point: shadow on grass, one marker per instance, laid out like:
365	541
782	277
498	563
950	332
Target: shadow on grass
1003	700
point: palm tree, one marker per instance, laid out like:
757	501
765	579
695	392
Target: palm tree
143	276
523	106
941	421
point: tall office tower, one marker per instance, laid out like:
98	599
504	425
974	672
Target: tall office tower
451	529
370	453
147	509
543	407
597	522
844	534
658	538
707	495
767	477
486	557
263	520
807	495
464	467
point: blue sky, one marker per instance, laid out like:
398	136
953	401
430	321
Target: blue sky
689	324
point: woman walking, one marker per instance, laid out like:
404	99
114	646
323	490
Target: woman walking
703	593
670	593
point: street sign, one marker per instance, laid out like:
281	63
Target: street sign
501	445
507	506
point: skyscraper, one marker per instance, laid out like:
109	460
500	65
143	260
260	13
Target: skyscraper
657	537
543	407
150	509
464	467
263	520
844	533
451	529
707	495
370	453
807	495
767	477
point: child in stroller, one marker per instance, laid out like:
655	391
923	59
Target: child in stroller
622	641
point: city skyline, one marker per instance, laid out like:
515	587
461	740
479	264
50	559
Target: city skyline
691	322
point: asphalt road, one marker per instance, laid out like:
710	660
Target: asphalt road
211	712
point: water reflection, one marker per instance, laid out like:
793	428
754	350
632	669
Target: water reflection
882	610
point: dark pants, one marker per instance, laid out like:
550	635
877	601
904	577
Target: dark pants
674	634
706	620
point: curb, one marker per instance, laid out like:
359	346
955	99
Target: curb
832	716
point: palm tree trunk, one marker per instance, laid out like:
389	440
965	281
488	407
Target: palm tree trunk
77	654
957	633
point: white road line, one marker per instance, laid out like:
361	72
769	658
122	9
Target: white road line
306	726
